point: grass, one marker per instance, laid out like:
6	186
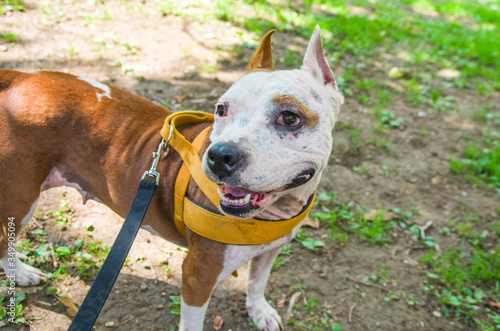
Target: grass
7	6
461	280
345	219
10	37
468	278
480	162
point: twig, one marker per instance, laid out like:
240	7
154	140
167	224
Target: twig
368	284
293	299
36	222
54	262
154	272
351	310
425	227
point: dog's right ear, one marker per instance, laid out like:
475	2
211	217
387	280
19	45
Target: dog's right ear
315	62
262	59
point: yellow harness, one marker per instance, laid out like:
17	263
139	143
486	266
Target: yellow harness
208	223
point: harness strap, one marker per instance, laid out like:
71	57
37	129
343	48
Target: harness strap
182	182
189	152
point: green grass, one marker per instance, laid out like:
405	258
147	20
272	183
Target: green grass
345	219
10	37
467	278
461	35
480	162
10	6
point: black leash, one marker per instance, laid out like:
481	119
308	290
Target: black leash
96	297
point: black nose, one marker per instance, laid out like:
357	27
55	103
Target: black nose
223	159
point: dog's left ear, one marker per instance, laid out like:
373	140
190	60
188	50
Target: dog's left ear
315	62
262	59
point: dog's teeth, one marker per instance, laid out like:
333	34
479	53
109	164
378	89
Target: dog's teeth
247	198
220	192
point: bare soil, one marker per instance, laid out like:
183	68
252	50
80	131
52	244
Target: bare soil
171	60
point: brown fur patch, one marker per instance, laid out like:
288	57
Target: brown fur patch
289	102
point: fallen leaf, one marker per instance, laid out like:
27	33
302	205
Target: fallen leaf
181	97
396	72
494	304
376	213
281	303
68	303
311	222
218	321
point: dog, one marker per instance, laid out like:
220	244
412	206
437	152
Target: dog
268	146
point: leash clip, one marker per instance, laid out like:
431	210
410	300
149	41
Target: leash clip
156	157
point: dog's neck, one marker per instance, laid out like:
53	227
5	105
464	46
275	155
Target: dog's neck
291	203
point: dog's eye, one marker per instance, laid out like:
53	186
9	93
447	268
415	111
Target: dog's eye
221	110
288	118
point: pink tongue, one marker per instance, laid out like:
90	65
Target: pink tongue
234	191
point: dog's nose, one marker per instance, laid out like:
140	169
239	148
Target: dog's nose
223	159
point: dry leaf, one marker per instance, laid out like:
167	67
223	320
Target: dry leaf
218	321
281	303
181	97
311	222
494	304
68	303
376	213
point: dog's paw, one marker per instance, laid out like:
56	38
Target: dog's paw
28	276
265	317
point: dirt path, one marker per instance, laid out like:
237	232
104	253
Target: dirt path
189	63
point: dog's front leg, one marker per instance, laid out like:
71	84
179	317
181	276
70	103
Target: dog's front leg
261	312
201	271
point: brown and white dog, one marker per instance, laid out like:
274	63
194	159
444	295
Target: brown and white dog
271	140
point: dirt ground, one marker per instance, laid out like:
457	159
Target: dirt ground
170	58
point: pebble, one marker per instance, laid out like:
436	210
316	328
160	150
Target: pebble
436	313
143	287
110	324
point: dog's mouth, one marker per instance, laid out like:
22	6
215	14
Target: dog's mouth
238	202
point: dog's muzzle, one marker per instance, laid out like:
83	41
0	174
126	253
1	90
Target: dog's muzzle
223	159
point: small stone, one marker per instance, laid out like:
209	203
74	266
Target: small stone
436	313
436	180
110	324
143	287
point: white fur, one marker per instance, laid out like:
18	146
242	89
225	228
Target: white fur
106	90
260	311
25	275
192	317
273	161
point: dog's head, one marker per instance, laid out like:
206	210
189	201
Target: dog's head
272	134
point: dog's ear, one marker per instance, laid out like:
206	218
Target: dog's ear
315	62
262	59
